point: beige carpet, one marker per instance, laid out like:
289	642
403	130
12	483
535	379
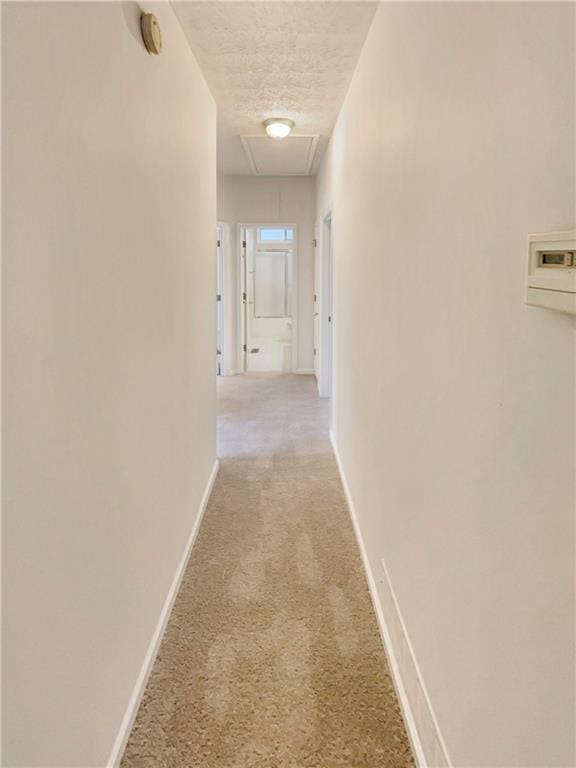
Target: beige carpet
272	656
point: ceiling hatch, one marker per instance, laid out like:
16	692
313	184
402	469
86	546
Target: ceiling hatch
292	156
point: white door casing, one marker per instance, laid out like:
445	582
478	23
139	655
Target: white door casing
323	279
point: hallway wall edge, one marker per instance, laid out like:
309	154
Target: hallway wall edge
425	738
154	646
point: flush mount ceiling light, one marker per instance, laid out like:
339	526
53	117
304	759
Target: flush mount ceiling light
278	127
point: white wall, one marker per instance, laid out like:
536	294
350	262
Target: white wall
252	200
109	282
454	400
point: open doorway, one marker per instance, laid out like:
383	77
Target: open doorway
268	306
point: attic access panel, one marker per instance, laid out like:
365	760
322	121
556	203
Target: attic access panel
292	156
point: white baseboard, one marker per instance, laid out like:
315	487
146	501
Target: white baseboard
305	371
140	686
421	725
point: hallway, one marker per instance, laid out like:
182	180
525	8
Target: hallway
272	655
345	200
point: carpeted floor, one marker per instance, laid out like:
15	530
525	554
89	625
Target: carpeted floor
272	656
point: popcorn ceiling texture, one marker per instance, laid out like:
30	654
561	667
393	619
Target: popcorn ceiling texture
264	59
272	656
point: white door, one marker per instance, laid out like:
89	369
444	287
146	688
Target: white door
243	296
328	318
219	300
323	305
317	302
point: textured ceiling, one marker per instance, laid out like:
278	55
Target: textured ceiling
267	59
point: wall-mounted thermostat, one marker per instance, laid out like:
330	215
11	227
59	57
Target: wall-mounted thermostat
552	271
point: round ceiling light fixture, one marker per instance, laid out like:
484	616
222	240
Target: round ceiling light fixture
278	127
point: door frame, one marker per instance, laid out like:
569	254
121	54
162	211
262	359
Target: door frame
325	306
242	303
222	283
317	301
